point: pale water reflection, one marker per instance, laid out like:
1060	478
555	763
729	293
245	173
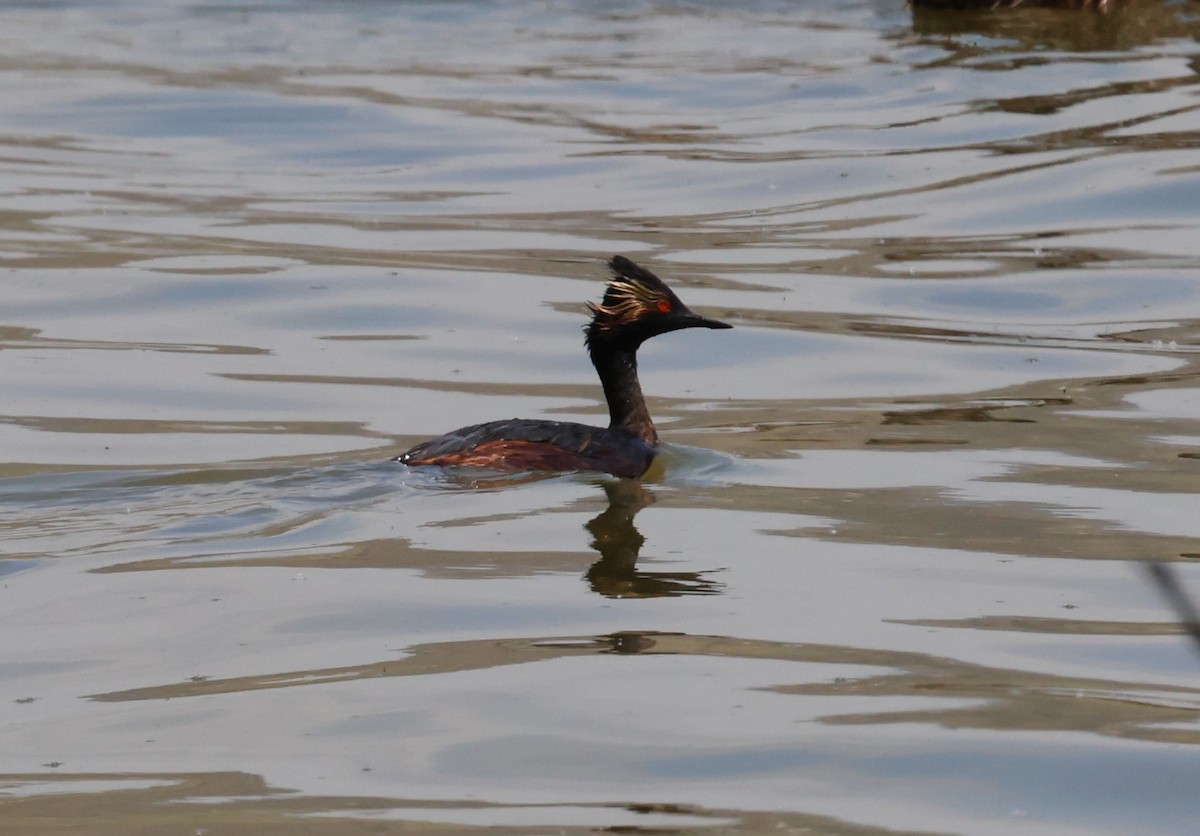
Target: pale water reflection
888	573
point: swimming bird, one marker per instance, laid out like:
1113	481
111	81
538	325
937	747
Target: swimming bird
637	305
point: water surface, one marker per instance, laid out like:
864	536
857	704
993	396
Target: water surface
888	575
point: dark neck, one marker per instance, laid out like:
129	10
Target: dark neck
627	411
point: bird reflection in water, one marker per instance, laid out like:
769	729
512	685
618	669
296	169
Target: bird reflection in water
616	574
614	536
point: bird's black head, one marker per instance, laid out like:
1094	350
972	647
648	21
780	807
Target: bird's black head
637	305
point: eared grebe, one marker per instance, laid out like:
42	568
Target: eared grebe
637	306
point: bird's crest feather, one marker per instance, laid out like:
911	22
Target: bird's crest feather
631	292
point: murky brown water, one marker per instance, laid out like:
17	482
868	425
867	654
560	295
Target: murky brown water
889	574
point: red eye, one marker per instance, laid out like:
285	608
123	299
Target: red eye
663	306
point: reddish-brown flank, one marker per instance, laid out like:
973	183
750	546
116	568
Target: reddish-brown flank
510	454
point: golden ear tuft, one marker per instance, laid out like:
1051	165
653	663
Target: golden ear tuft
625	301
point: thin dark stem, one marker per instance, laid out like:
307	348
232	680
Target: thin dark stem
1185	608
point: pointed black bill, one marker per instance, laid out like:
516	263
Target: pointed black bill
694	320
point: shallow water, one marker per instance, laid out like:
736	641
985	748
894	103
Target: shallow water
888	574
